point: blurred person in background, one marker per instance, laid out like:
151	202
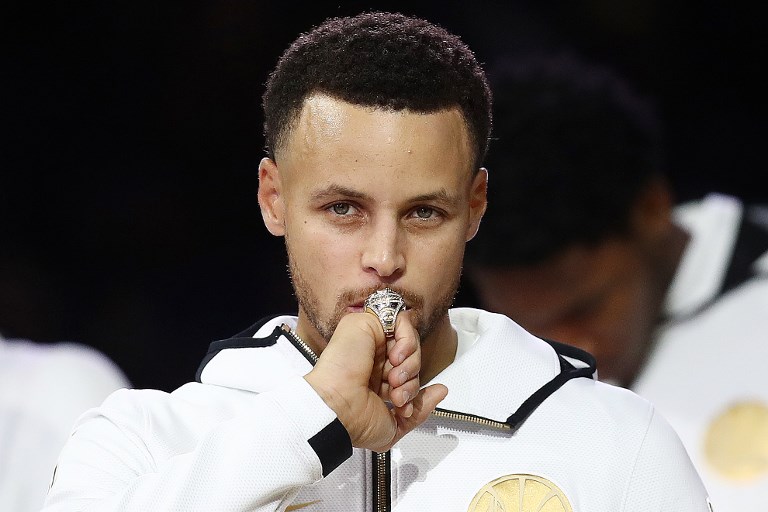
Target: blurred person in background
44	388
583	243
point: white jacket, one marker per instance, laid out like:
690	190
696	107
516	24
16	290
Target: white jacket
254	436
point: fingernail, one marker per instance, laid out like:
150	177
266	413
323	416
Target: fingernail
407	397
403	377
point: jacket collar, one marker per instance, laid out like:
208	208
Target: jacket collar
479	381
258	359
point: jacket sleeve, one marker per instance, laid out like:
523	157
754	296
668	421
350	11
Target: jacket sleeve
120	458
664	477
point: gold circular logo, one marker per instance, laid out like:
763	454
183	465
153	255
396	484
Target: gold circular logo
736	443
520	493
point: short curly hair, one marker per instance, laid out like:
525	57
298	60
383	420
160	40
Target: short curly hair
379	59
574	145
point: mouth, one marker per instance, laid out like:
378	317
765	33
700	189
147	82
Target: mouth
355	308
359	307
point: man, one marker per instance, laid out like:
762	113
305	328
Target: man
581	244
376	127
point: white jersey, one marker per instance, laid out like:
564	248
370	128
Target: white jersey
707	373
43	389
252	435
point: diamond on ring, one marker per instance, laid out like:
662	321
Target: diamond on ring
385	304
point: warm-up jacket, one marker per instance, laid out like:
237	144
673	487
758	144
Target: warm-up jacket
522	429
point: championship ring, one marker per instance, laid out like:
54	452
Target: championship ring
385	304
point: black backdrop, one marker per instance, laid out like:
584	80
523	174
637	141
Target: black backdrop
132	133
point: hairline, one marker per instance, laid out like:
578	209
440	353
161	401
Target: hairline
284	133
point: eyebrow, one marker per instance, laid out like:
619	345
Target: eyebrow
333	191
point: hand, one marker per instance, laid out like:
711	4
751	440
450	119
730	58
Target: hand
359	370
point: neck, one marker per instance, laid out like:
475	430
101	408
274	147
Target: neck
438	350
307	332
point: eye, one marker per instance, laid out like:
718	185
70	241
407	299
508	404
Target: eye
341	208
424	212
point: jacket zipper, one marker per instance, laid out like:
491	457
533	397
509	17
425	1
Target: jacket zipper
451	415
382	494
299	343
382	480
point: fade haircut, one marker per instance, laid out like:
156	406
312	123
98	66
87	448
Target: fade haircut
383	60
573	148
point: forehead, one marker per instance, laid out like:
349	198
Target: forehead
333	132
579	269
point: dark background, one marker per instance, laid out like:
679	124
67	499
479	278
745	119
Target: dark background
132	134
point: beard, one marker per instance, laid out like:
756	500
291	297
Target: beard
423	321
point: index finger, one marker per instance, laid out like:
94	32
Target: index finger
406	340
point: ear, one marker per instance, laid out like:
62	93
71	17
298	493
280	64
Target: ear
270	197
652	212
478	201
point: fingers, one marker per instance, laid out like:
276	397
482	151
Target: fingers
421	407
405	411
406	340
404	394
414	413
401	369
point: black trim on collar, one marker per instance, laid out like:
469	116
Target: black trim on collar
567	372
253	329
242	339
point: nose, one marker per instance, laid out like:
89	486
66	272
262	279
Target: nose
383	249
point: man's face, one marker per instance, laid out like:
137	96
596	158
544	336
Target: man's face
368	199
604	299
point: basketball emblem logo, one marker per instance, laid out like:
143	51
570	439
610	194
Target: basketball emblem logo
520	493
736	443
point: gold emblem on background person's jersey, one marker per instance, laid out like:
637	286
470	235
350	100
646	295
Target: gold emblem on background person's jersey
736	443
520	493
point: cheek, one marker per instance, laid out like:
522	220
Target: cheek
328	256
623	317
631	302
438	244
424	255
321	244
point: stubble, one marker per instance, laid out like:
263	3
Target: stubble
325	324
